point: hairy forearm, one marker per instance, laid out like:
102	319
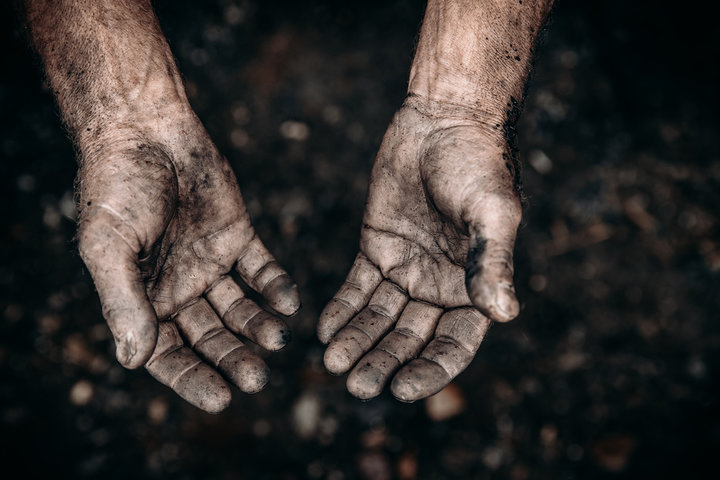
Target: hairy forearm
107	63
477	54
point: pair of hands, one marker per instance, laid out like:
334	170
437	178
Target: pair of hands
163	223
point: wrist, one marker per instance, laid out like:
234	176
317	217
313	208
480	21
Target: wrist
477	54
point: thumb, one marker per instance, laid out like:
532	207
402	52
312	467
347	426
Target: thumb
470	182
109	248
493	222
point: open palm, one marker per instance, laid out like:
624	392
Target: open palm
162	224
435	261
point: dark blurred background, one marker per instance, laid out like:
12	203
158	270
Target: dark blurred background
609	372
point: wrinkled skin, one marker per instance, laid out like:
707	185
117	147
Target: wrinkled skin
162	223
161	227
435	263
441	187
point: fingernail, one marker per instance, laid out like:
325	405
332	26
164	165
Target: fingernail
126	349
507	302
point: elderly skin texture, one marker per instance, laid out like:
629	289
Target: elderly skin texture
435	263
162	221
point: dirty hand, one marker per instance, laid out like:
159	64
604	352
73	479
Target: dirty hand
435	264
162	222
161	227
435	261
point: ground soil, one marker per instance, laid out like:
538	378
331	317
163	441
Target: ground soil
609	372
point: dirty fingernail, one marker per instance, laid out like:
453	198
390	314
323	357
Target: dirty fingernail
282	295
507	303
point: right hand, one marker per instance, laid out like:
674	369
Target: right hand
162	223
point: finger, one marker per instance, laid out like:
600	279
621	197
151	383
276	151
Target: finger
412	331
176	366
258	268
357	337
361	282
457	338
245	317
489	268
109	249
208	336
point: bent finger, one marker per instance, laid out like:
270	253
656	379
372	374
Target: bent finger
176	366
363	331
457	338
412	331
208	336
245	317
361	282
259	269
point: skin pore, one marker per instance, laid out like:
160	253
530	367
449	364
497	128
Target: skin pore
162	221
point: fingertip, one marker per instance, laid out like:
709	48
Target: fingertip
268	331
365	381
333	317
507	303
211	393
246	370
337	359
419	379
496	301
135	346
282	295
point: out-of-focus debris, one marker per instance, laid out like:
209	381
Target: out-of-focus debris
612	452
157	410
306	415
407	466
447	403
81	393
374	465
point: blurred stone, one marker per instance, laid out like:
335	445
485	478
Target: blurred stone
538	282
519	472
407	466
548	435
492	457
447	403
612	452
315	469
373	466
261	428
81	393
49	324
26	183
292	130
13	313
306	415
540	161
157	410
375	438
239	138
575	452
76	351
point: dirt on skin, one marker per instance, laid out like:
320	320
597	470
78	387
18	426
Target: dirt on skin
611	369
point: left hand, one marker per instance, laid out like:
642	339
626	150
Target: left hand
435	262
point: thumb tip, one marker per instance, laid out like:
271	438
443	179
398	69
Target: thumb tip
133	350
496	301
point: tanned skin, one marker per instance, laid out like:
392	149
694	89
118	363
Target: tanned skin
162	222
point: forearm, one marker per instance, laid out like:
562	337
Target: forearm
477	54
107	63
